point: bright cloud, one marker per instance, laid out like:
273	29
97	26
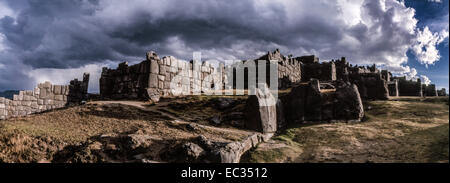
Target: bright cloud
425	79
425	46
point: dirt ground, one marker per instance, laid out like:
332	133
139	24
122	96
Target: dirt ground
71	134
403	129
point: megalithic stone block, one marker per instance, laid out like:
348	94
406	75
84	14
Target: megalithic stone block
154	67
153	81
348	103
261	110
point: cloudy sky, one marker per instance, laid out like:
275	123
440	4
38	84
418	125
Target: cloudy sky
57	40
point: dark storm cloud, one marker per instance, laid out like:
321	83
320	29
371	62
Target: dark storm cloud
75	33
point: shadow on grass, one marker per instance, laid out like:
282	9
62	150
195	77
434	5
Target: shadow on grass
435	142
125	112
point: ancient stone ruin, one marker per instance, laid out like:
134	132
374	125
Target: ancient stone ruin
313	92
332	91
409	87
44	97
442	92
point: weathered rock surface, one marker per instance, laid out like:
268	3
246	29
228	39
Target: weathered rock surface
45	97
348	103
313	103
261	110
193	151
306	102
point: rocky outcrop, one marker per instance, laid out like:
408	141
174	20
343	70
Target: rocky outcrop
348	103
393	88
307	102
232	152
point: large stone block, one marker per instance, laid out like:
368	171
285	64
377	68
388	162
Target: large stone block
173	62
36	91
313	103
348	103
27	97
43	93
59	97
153	94
57	89
34	105
67	90
47	85
154	67
153	81
151	55
21	94
26	103
261	110
28	92
162	69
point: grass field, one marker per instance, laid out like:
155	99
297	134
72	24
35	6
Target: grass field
404	129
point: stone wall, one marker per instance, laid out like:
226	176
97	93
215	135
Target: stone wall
153	77
125	81
309	102
372	83
429	90
409	87
325	71
442	92
342	72
44	97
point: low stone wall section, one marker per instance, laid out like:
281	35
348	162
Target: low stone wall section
44	97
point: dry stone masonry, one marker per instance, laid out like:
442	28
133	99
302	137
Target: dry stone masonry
152	78
44	97
262	110
409	87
